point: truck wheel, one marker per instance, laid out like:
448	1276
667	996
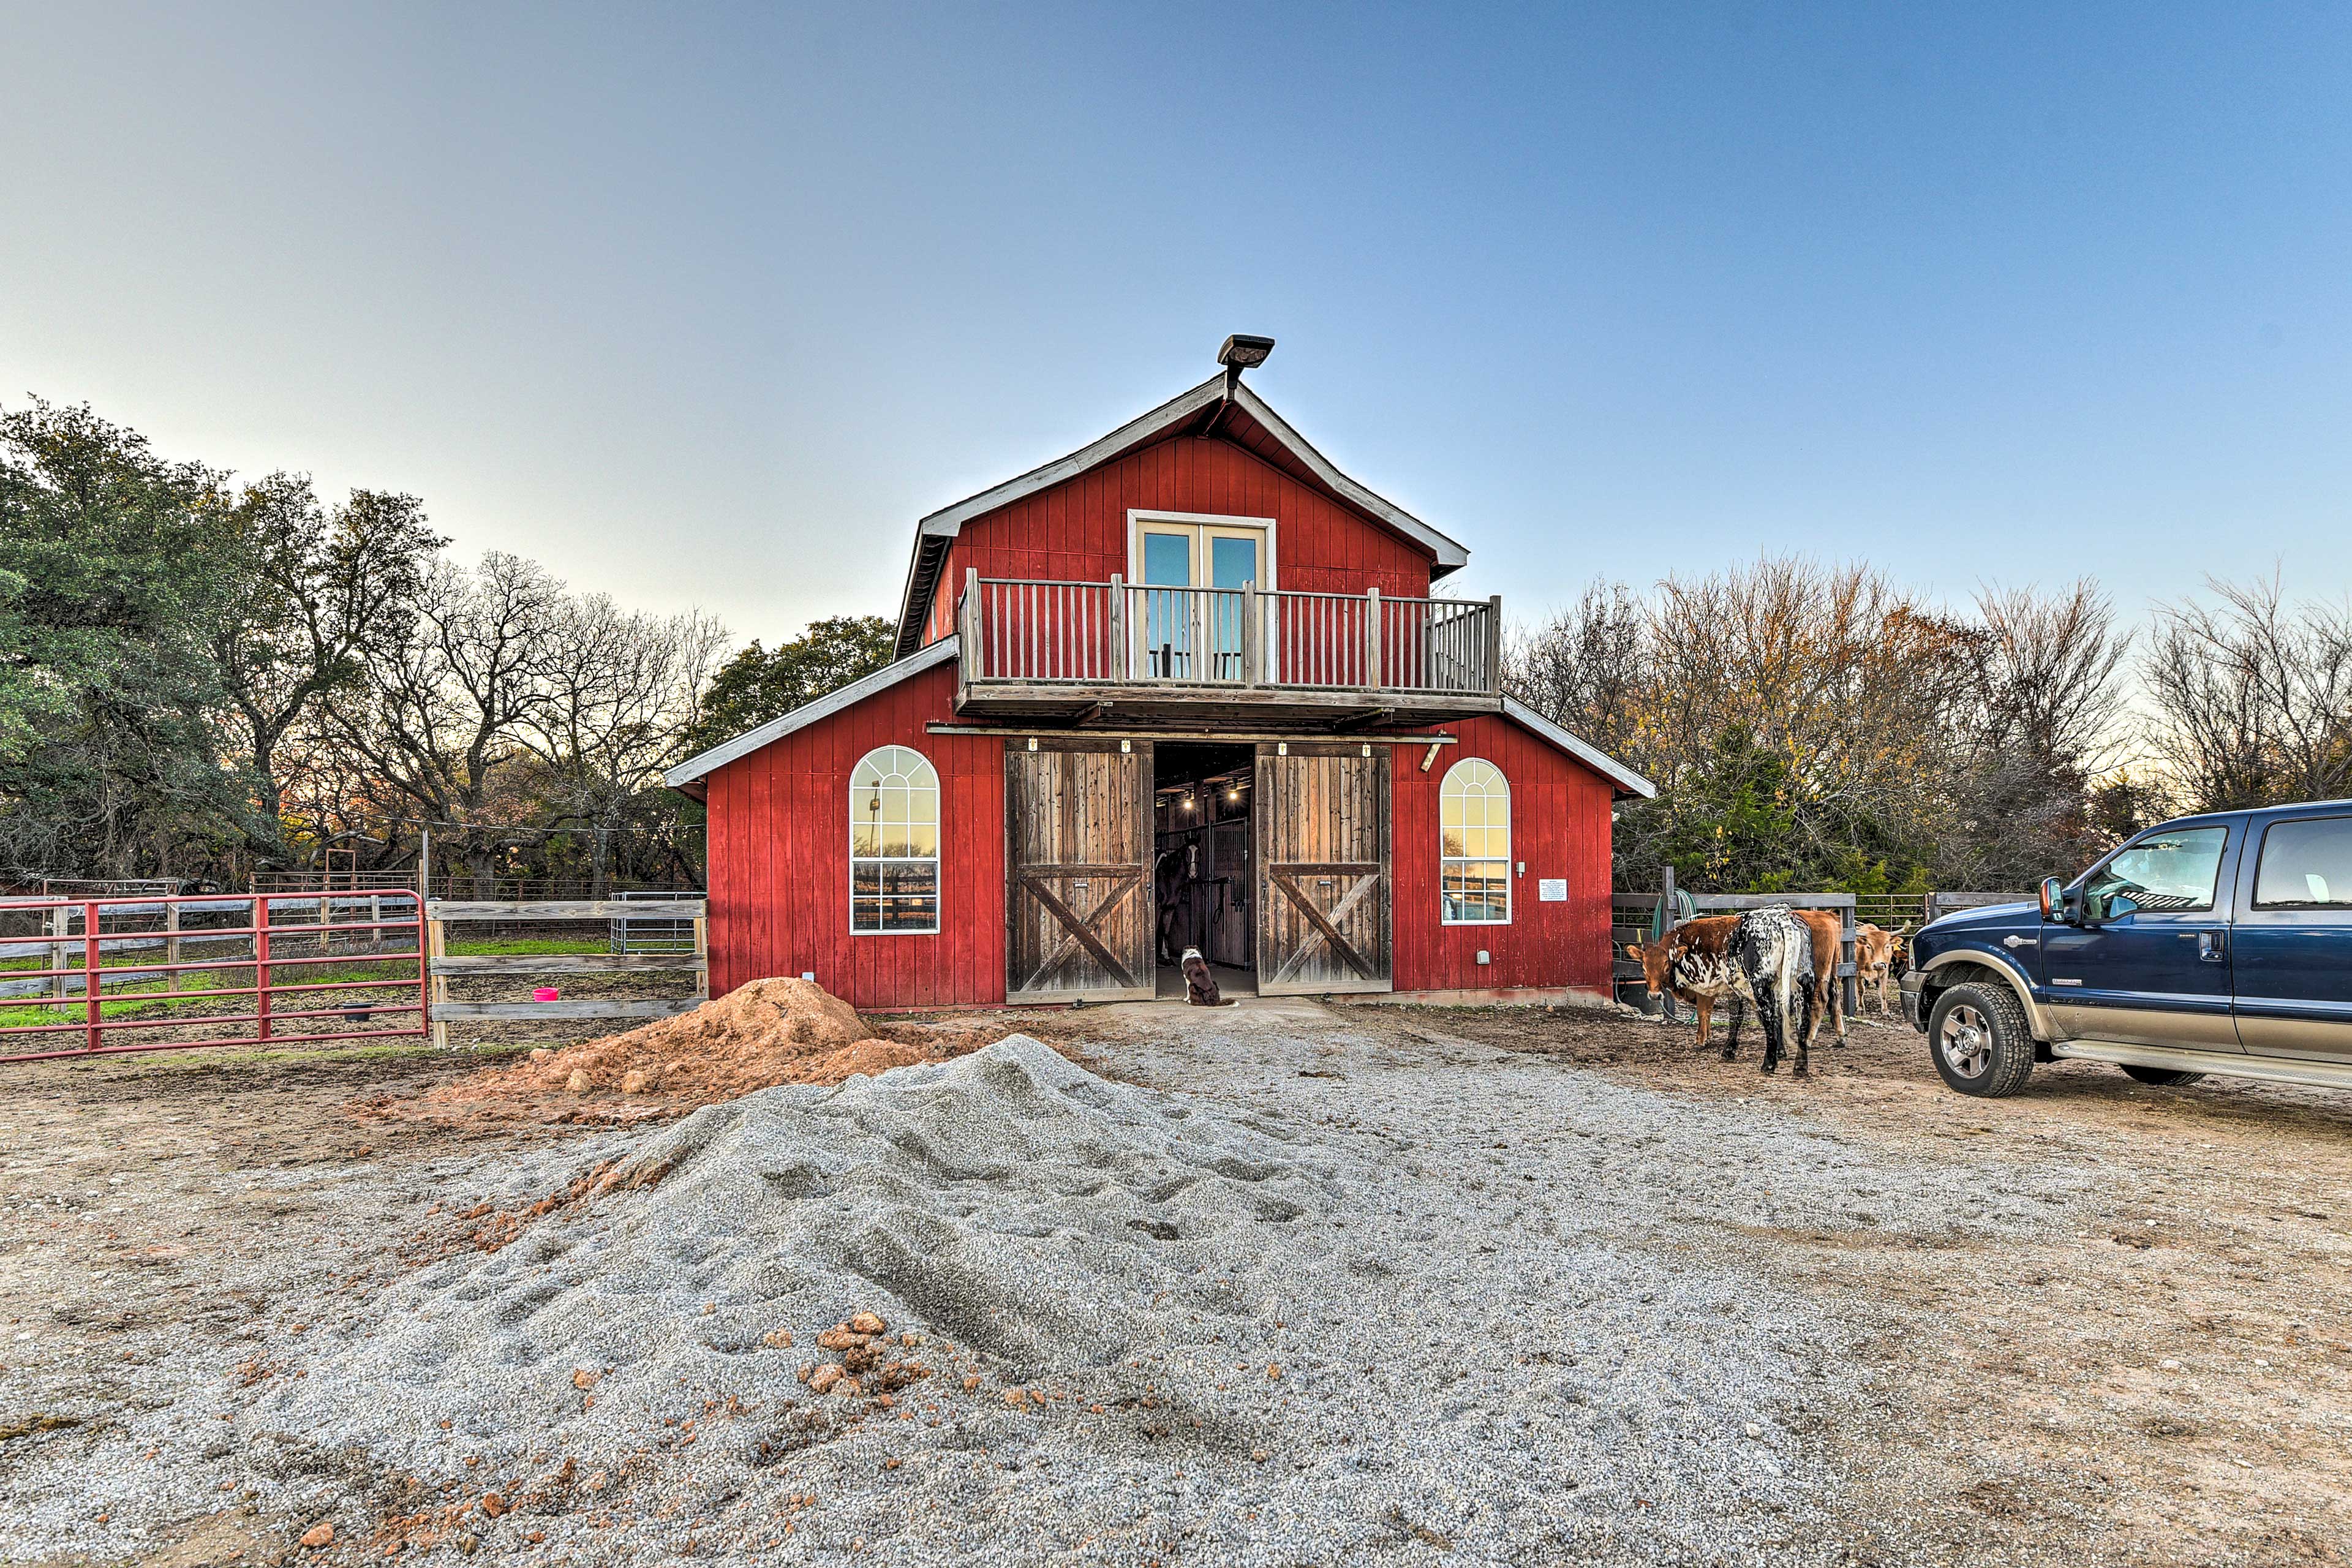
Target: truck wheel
1978	1040
2163	1078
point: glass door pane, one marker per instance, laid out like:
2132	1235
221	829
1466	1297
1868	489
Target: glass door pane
1168	602
1232	560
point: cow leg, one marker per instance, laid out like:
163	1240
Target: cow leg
1731	1044
1835	990
1705	1006
1767	1013
1805	1034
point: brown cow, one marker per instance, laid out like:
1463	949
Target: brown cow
1693	962
1757	957
1703	973
1875	954
1828	928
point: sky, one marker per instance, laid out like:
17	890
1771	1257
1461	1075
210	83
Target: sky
704	306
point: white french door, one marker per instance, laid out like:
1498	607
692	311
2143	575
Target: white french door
1191	572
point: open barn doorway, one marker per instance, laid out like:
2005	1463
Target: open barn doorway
1203	874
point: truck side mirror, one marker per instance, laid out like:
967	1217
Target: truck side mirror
2054	899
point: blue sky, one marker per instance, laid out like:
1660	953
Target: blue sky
704	305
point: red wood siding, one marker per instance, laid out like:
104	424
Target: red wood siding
780	860
780	864
1076	532
1559	827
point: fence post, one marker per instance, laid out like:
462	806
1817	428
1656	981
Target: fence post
1117	627
1493	645
702	951
60	922
261	968
1665	924
1253	636
89	966
436	946
171	944
1846	948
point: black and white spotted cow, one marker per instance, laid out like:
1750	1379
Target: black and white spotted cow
1773	950
1753	957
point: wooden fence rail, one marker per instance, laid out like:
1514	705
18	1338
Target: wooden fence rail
441	964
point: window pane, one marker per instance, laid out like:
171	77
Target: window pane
1234	562
865	876
865	914
2169	871
2307	863
920	877
1450	842
923	840
1168	560
864	840
910	914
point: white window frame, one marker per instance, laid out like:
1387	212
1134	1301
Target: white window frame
936	862
1510	842
1136	516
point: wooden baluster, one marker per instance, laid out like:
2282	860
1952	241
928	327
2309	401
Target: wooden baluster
1494	650
1372	639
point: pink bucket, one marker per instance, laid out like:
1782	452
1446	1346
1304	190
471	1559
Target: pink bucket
544	994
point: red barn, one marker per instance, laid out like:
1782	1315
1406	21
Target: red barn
1188	687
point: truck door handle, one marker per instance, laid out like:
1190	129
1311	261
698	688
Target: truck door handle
2213	946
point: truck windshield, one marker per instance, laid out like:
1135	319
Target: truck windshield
2169	871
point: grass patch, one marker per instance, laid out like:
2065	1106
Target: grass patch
527	946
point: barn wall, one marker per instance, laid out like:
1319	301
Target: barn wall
780	859
1559	827
1076	532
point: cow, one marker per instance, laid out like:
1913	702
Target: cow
1875	954
1828	928
1773	950
1764	955
1709	978
1693	962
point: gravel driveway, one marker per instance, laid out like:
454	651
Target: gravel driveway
1539	1286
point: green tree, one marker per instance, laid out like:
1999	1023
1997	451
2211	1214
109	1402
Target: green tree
111	566
758	685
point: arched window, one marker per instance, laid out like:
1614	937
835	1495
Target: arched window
1474	844
894	843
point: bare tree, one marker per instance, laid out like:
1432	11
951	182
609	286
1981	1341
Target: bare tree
439	723
2253	697
623	691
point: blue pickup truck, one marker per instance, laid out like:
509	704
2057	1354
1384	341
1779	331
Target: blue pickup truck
2219	944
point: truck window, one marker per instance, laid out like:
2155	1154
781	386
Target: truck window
2170	871
2306	864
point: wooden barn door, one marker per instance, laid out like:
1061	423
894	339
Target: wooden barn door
1324	916
1078	871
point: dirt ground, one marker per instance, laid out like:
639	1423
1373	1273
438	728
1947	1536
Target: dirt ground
2170	1382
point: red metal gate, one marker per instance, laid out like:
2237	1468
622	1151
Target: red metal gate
103	967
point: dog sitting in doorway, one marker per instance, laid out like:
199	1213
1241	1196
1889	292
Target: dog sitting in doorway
1200	985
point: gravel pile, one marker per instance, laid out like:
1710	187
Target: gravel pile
1437	1302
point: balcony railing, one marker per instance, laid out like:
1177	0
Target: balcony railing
1028	632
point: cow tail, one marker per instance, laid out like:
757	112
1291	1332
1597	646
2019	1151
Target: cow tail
1795	944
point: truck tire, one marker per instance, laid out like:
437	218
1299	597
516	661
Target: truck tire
1978	1038
2162	1078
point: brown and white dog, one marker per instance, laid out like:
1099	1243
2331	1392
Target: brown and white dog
1200	985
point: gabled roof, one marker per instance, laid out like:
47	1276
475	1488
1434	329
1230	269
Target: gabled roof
1627	781
1222	404
825	707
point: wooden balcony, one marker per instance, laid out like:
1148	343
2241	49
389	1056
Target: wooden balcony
1210	658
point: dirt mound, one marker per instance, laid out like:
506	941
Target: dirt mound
767	1033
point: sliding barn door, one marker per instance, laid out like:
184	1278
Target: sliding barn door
1324	916
1078	835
